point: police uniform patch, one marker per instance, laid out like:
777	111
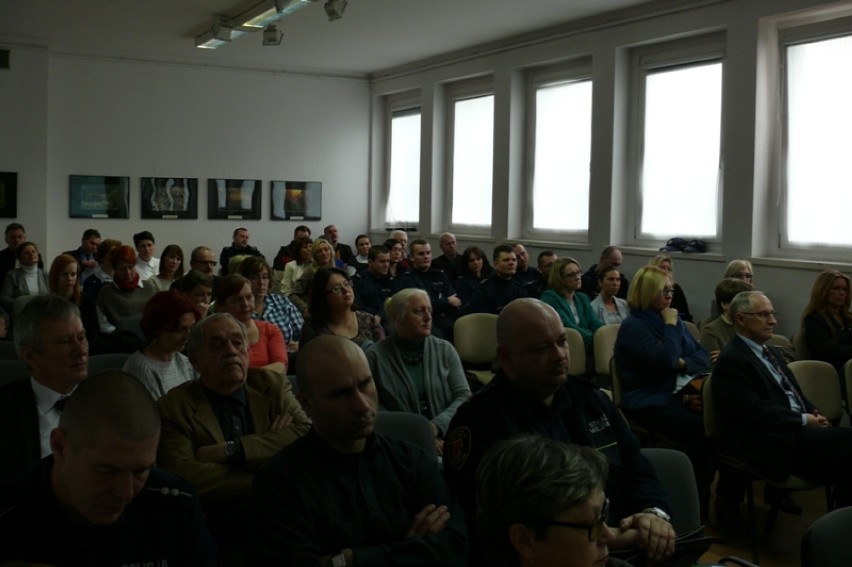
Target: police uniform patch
459	443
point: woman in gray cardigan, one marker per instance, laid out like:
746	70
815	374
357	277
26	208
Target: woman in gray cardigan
414	371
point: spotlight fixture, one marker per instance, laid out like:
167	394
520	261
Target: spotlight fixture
334	9
219	34
271	35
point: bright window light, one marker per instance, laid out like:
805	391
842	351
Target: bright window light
680	167
563	139
819	142
404	193
473	151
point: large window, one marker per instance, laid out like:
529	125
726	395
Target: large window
560	133
818	136
472	150
677	136
403	201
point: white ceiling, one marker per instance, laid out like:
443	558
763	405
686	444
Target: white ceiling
372	35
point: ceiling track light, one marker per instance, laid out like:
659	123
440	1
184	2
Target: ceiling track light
218	35
334	9
271	35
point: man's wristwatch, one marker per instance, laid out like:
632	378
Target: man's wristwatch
230	449
658	512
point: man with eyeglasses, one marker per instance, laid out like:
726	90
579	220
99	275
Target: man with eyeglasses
765	416
532	393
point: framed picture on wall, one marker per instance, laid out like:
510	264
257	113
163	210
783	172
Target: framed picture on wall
233	199
169	198
296	200
8	194
99	197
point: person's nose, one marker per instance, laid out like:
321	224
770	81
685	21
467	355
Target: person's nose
123	486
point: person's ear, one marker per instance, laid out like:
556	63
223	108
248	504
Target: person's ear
523	540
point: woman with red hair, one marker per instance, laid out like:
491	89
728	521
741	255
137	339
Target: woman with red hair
63	278
126	295
166	322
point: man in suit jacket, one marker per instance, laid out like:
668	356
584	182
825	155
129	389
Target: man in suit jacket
50	339
765	416
342	252
86	254
218	430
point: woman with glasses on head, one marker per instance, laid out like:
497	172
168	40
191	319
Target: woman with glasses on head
332	312
575	309
171	268
656	359
271	307
266	342
541	503
827	322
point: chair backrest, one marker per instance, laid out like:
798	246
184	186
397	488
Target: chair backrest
674	470
604	345
131	324
19	304
780	341
616	383
475	337
12	370
693	329
801	347
827	542
821	385
847	381
576	352
411	427
8	350
111	361
712	427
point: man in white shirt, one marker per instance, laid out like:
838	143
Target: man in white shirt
146	264
50	339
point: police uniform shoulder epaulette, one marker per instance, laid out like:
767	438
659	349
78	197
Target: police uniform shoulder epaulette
166	488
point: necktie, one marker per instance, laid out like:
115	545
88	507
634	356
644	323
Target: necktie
60	403
785	382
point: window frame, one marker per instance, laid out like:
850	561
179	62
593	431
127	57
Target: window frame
561	73
401	103
681	53
458	91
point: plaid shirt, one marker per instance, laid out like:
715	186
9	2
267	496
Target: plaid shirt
280	311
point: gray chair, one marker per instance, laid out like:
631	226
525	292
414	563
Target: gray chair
801	346
475	340
821	385
133	325
112	361
675	472
410	427
827	542
12	370
576	352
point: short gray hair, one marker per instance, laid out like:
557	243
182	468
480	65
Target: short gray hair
196	334
741	302
41	308
396	305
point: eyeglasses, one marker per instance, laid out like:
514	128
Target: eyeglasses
667	291
210	263
338	289
762	314
572	275
593	529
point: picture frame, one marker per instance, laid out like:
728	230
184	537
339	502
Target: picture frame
8	194
99	197
295	200
233	199
169	198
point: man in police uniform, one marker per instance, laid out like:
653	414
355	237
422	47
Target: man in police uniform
500	288
373	285
532	394
99	499
445	302
450	261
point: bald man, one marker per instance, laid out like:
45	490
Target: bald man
532	393
99	499
343	495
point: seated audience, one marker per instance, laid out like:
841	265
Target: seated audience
146	264
344	495
63	278
827	322
166	321
287	254
322	256
529	490
126	295
86	253
15	235
765	416
656	358
611	256
294	269
170	268
397	253
202	259
271	307
50	339
475	270
665	263
526	275
29	279
342	252
450	260
496	291
332	311
267	349
102	274
373	286
414	371
359	260
718	333
533	393
239	246
445	302
740	269
607	306
574	309
99	498
220	429
198	287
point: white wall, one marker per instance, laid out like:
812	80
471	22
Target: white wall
65	115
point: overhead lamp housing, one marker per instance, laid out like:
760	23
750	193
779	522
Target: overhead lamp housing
218	35
266	13
334	9
271	36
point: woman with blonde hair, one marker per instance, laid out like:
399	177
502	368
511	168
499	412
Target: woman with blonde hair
322	256
827	322
665	262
